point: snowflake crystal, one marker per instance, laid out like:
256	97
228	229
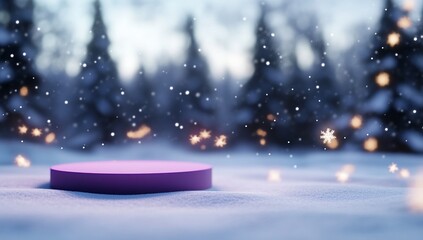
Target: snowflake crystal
327	136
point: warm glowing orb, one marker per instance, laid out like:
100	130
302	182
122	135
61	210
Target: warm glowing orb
382	79
356	121
260	132
23	91
393	39
23	129
404	173
50	138
415	194
204	134
36	132
404	22
141	132
21	161
408	5
220	141
343	175
194	139
370	144
274	175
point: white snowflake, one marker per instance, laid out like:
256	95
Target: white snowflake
327	136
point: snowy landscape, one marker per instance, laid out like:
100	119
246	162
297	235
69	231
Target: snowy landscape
310	113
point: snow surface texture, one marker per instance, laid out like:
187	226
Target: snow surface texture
308	202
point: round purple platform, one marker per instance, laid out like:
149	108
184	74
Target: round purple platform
131	177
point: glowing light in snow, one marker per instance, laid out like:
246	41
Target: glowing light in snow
21	161
204	134
50	138
260	132
343	175
404	22
408	5
194	139
141	132
36	132
382	79
356	121
274	175
270	117
370	144
23	91
393	39
327	136
220	141
415	194
333	144
23	129
404	173
393	168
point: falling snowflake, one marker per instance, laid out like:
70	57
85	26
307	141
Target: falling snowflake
393	168
204	134
327	136
194	139
220	141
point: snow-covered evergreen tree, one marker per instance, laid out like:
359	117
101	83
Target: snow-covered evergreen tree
262	105
98	117
19	79
312	93
394	99
192	104
141	102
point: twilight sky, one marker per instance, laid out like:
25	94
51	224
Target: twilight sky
150	33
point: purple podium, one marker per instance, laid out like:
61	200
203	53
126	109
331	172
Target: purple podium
131	177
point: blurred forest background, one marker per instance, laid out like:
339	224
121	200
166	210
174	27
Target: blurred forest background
277	82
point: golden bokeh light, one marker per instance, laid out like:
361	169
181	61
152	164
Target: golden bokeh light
408	5
220	141
50	138
415	193
204	134
260	132
141	132
382	79
23	91
274	175
343	175
36	132
404	173
333	144
370	144
23	129
270	117
22	162
262	142
356	121
393	39
404	22
194	139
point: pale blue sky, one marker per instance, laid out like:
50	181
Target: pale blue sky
149	32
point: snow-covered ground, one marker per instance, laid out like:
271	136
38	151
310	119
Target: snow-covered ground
307	202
